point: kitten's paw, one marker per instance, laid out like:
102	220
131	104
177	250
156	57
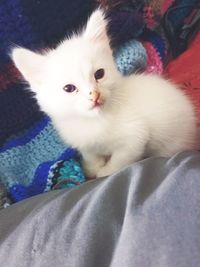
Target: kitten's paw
91	169
105	171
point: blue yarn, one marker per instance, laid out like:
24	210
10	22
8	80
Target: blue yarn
27	136
130	57
44	176
19	191
68	175
28	160
15	166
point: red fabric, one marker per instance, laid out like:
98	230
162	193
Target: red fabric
185	71
8	76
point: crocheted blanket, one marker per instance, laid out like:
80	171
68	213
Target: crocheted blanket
33	158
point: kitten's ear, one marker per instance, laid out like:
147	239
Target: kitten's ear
96	27
30	64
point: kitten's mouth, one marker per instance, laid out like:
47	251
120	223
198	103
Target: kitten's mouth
97	104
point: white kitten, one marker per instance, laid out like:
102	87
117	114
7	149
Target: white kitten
112	120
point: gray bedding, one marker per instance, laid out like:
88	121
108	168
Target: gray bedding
146	215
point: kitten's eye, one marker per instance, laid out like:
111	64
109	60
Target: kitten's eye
69	88
99	74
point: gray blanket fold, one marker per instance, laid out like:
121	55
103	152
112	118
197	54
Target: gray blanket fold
147	215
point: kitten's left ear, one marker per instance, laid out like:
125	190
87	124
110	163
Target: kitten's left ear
96	27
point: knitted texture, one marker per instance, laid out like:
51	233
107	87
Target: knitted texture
66	174
156	51
130	57
154	62
26	161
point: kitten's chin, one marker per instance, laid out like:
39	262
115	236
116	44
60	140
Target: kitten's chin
92	112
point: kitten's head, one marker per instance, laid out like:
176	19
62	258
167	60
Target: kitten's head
76	78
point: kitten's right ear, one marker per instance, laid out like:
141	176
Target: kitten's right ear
96	27
29	63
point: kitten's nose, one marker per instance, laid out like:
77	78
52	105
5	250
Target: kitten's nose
94	96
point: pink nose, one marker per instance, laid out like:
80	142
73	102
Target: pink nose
94	96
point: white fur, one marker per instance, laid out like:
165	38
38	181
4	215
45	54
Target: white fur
141	115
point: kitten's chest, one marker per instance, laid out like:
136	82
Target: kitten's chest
82	133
